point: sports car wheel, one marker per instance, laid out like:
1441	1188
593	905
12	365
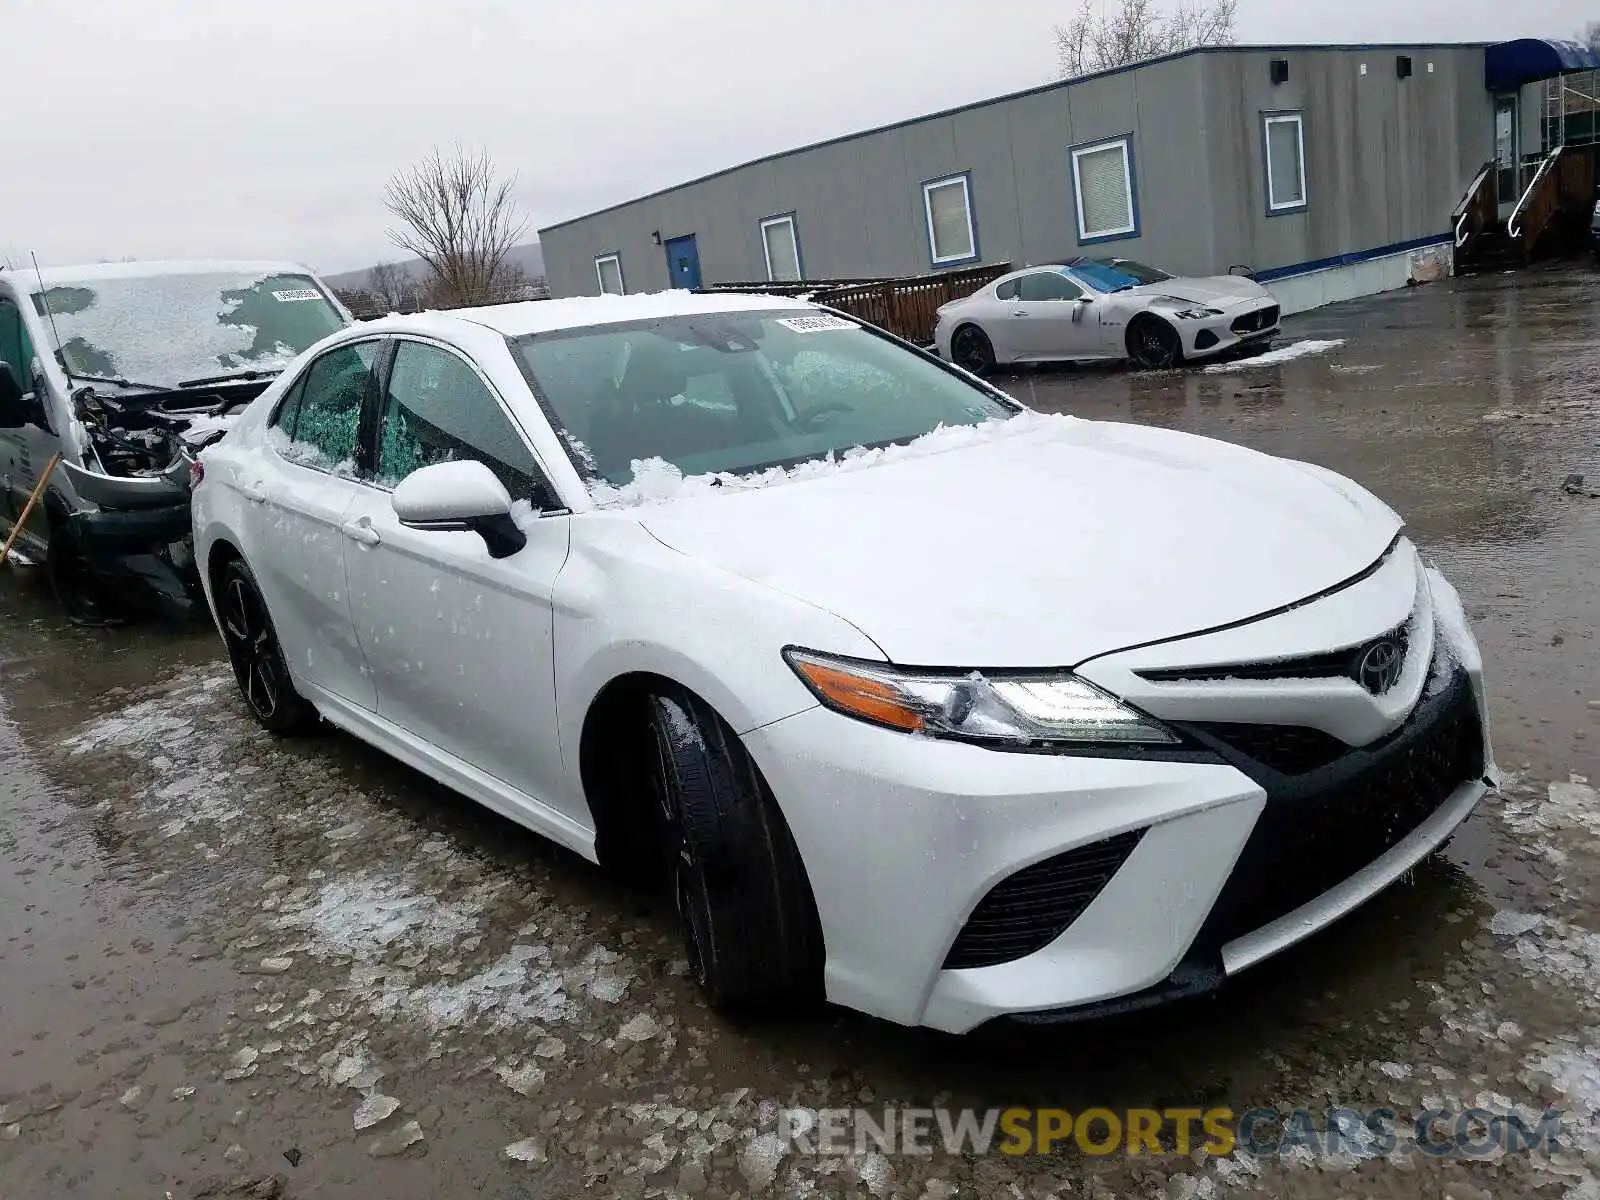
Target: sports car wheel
257	661
749	922
1154	344
971	350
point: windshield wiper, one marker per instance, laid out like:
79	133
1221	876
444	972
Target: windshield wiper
244	375
119	381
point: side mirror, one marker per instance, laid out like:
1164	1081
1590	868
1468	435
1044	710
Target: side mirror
15	412
463	497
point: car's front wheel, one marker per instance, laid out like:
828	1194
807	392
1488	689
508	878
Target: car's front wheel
79	589
749	921
971	350
255	655
1154	344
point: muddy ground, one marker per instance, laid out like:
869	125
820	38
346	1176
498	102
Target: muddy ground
231	965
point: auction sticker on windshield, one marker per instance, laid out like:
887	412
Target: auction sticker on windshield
816	324
297	294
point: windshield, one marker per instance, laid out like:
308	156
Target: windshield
736	392
1137	271
164	329
1104	277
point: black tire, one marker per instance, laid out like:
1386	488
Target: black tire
748	917
256	657
78	588
971	350
1154	344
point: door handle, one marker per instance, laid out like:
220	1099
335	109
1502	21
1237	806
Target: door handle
1019	313
254	493
361	530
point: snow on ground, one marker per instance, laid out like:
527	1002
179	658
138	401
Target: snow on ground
1272	358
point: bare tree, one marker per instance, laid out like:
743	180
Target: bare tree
1097	40
391	285
1591	36
460	220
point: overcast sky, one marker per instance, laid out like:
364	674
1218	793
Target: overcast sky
214	128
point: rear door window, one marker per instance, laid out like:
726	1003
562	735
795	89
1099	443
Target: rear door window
320	420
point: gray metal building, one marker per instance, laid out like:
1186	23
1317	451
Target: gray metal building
1326	170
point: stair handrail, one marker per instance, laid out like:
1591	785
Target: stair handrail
1514	226
1464	209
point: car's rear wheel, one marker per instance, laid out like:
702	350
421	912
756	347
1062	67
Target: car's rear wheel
971	350
255	655
1154	344
78	587
748	918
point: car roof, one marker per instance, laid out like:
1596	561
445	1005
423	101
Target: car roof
582	312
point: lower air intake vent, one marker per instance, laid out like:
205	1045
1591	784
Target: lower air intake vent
1025	912
1287	749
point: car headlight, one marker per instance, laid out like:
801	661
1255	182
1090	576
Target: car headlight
1009	709
1197	314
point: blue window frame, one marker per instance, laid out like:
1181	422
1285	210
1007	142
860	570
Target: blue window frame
952	221
1283	154
1105	190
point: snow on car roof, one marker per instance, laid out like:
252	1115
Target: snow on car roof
96	272
542	316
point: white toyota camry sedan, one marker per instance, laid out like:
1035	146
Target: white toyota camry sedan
913	699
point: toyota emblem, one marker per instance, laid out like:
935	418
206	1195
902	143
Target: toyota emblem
1380	667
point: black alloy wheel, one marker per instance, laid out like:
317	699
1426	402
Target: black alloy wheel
971	350
255	655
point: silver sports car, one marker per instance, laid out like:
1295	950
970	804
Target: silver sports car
1090	309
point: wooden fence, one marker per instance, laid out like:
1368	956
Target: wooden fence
905	306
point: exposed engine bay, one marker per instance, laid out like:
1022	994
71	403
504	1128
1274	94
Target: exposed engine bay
140	444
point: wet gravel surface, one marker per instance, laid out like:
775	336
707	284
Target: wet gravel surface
231	965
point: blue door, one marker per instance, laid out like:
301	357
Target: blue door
683	262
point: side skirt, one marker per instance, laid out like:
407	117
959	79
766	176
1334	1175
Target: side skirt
455	773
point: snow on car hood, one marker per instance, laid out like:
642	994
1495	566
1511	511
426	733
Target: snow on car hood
1217	290
1046	549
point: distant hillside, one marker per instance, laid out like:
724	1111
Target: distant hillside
530	258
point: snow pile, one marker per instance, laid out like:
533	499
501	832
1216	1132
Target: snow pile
304	454
199	427
655	480
1273	357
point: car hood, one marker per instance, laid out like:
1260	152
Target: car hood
1221	291
1046	548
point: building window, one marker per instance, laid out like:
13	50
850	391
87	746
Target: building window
952	232
1102	179
608	269
1284	137
781	244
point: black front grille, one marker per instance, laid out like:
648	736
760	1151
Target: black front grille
1025	912
1287	749
1255	322
1335	664
1320	826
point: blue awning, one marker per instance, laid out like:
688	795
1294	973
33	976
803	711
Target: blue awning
1509	65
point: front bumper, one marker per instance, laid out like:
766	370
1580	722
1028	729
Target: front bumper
904	838
1237	327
